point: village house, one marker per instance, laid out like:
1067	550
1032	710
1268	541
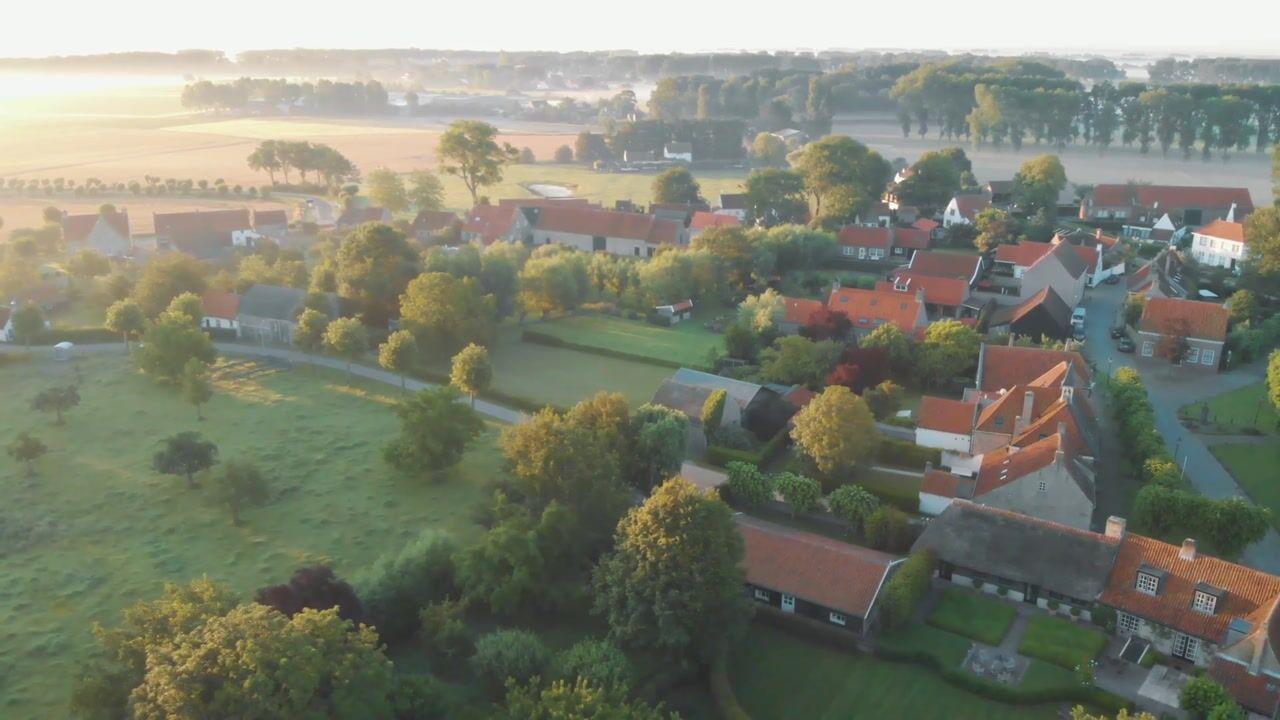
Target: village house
869	309
271	223
797	313
269	315
221	311
881	244
676	312
947	281
963	209
1145	205
105	233
428	224
1161	276
1001	367
678	151
488	224
1198	328
354	216
1044	314
590	230
812	576
703	221
733	204
205	234
747	405
1221	243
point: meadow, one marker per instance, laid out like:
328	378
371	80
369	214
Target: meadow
96	530
687	343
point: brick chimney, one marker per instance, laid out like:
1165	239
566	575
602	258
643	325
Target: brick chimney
1115	527
920	295
1060	454
1188	551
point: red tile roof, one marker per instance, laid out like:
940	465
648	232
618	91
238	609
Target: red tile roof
869	309
1259	693
1088	254
703	220
828	572
948	292
945	265
1224	229
970	205
944	415
1172	197
76	228
270	217
799	310
490	222
1023	254
911	238
434	221
201	221
1047	424
607	223
941	483
1001	415
925	224
220	304
1247	590
869	237
1173	316
1004	366
1003	466
800	396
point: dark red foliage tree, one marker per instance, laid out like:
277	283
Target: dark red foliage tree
314	587
848	375
826	324
873	361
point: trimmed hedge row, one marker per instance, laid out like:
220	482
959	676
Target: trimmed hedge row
84	336
906	454
722	456
541	338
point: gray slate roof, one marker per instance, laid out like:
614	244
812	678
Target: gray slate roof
1071	261
1021	548
740	390
278	303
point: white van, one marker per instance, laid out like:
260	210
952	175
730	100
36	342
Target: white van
1077	317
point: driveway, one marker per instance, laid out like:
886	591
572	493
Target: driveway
1170	388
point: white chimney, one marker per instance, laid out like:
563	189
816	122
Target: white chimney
1188	551
1231	214
1028	403
1060	454
1115	527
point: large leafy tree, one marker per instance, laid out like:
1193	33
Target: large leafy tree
255	662
28	322
776	197
802	493
373	266
949	350
673	582
471	371
435	431
853	504
1038	182
895	343
836	431
26	449
171	342
677	186
797	360
348	339
165	278
240	484
185	454
661	436
126	318
469	150
425	191
769	151
934	179
386	190
315	587
56	400
1262	228
842	176
406	580
447	313
747	485
556	282
1273	379
196	386
397	354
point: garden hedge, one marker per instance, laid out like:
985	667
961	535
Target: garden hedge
722	456
906	454
541	338
83	336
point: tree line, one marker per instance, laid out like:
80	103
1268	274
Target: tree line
324	96
282	156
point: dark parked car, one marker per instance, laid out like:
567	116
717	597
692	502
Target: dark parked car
1116	331
1077	333
1125	345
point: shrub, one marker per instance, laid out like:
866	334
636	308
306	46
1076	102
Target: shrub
977	583
599	662
748	485
1002	591
906	454
887	529
503	654
906	588
399	585
443	631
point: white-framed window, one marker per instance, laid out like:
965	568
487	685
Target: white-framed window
1128	623
1148	584
838	619
762	595
1204	602
862	253
1207	357
847	250
877	254
1148	348
1193	355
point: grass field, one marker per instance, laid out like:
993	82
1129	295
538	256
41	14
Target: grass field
777	676
972	616
562	377
1061	642
96	530
686	343
1241	409
1254	468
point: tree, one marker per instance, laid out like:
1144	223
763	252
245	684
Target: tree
1173	344
188	305
28	323
886	528
87	264
949	349
884	399
240	485
508	570
185	454
471	372
314	587
1234	524
775	197
599	662
516	654
1243	306
526	156
673	582
564	155
933	181
1263	250
166	277
400	584
895	343
1079	713
435	431
1200	695
582	698
57	400
126	318
446	313
762	312
994	227
346	338
309	333
469	150
802	493
26	449
1038	182
747	485
853	504
842	176
556	282
425	191
740	342
661	437
797	360
372	268
676	186
713	413
266	157
906	588
386	190
397	354
196	388
1273	379
171	342
836	430
768	150
255	662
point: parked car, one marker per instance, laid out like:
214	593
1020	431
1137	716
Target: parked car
1117	331
1077	317
1112	279
1125	345
1077	333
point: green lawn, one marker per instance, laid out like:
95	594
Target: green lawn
1242	409
1254	468
561	376
687	343
972	616
1061	642
96	530
777	676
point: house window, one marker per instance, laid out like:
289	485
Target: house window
1128	623
862	253
1044	486
651	251
1204	602
637	251
877	254
1148	584
838	619
762	595
846	250
1148	348
1207	357
597	243
999	420
1193	355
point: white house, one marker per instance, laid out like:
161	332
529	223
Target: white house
1219	244
964	208
221	310
679	151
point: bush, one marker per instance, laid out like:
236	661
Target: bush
503	654
599	662
887	529
904	453
906	588
733	437
722	456
418	697
443	631
399	585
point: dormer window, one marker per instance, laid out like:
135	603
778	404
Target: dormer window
999	420
1205	599
1148	582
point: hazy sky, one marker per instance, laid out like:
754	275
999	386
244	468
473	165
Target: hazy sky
1185	26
